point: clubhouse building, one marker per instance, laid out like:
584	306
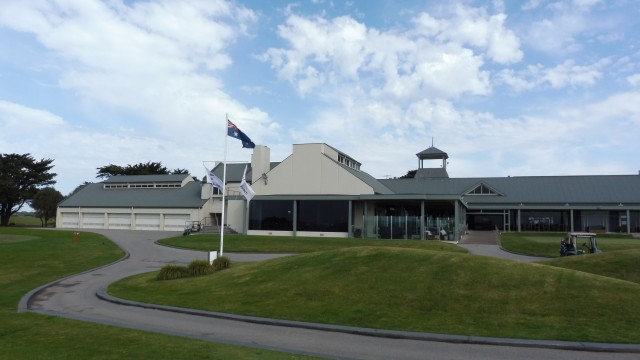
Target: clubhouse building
321	191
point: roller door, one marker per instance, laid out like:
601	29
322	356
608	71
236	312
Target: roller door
175	222
120	221
70	220
147	222
93	220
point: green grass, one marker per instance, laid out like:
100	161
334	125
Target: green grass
29	258
289	244
412	289
28	221
621	264
548	244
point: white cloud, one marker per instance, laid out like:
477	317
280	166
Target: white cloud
157	60
586	3
436	57
77	151
570	74
564	22
385	137
471	26
14	116
566	74
634	79
531	4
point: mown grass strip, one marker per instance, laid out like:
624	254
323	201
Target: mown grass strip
548	244
620	264
48	255
23	220
416	290
289	244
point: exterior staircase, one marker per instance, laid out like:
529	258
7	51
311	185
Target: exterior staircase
215	229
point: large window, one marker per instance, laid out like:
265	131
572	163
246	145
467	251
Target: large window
541	220
271	215
319	215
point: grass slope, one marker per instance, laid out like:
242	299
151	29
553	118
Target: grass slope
408	289
621	264
548	244
289	244
28	220
29	258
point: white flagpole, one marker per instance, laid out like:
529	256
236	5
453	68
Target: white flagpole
224	183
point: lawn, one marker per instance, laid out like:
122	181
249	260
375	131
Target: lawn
26	220
412	289
548	244
29	258
289	244
620	264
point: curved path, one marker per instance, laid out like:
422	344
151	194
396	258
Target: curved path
75	297
487	243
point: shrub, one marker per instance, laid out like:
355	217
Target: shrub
200	267
222	262
170	272
195	268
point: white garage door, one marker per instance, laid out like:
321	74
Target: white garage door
175	222
93	220
147	222
70	220
120	221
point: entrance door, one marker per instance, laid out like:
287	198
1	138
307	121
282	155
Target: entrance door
485	221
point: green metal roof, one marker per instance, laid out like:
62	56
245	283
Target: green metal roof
593	189
95	195
432	153
235	170
172	178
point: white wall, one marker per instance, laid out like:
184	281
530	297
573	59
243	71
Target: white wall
310	170
112	218
235	214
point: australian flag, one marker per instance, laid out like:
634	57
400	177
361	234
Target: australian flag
233	131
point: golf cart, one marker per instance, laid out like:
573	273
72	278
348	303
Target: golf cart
569	245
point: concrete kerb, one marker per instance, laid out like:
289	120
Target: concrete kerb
382	333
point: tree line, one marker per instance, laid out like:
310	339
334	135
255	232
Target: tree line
27	181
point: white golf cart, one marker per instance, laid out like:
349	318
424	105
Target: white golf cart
569	245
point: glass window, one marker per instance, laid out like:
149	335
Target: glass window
271	215
545	220
319	215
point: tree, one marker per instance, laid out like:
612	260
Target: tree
409	175
20	177
149	168
45	203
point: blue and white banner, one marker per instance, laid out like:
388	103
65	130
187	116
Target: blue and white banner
214	180
246	190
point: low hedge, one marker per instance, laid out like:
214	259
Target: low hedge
195	268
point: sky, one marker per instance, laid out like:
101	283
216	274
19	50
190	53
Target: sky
506	88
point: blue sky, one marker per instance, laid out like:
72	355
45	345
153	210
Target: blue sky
506	88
